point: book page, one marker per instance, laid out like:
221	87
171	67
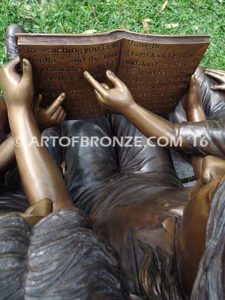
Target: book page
158	74
60	69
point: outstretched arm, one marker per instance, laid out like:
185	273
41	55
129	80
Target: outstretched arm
193	139
120	99
39	174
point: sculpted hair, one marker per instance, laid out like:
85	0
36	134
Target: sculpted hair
210	280
59	258
158	274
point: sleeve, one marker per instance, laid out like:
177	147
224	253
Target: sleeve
14	236
67	261
206	137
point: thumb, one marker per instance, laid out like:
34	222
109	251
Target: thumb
27	70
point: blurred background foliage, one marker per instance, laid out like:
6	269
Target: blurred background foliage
150	16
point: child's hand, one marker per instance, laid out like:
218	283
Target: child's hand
52	115
218	75
17	89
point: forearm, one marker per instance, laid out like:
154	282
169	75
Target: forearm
211	130
196	113
199	137
203	138
150	124
40	176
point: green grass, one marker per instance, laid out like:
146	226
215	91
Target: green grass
73	16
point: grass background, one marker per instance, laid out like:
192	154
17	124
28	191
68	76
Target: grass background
77	16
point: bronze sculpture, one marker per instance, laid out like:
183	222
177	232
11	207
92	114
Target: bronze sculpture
137	209
119	99
30	262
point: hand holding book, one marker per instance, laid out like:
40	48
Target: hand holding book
17	89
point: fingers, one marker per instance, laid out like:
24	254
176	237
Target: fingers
58	101
96	85
220	76
57	113
214	75
27	70
10	69
114	79
215	71
61	116
13	63
99	97
219	87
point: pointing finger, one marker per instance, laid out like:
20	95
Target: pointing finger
58	101
96	85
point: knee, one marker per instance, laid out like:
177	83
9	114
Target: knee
212	167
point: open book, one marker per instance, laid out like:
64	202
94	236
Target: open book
157	69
